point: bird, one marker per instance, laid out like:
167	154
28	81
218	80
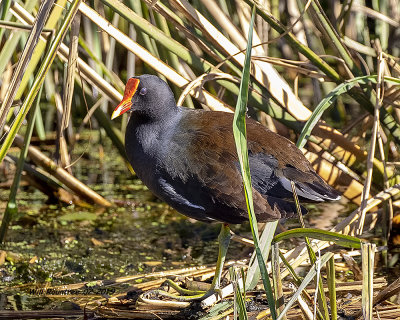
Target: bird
187	158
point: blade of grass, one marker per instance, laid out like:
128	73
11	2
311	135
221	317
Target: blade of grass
322	305
332	287
239	132
39	126
307	279
253	272
12	208
239	296
277	279
333	36
297	281
382	27
340	239
110	58
4	7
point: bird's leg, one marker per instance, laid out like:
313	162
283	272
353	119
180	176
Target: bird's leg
191	295
223	241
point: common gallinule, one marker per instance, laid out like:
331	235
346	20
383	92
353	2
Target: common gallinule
188	159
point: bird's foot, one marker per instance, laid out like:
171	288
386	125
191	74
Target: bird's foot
185	295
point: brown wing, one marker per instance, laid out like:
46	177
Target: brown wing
211	167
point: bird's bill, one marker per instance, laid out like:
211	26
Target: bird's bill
126	102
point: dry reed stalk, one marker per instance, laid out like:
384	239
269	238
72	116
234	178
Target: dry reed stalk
71	70
368	254
371	153
62	154
201	80
107	312
277	279
62	175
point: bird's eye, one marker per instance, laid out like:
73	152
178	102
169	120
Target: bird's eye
143	91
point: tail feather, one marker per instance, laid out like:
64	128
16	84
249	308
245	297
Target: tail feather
286	209
323	191
312	191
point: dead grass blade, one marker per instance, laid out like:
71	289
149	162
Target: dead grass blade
371	153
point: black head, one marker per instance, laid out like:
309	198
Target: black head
148	95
